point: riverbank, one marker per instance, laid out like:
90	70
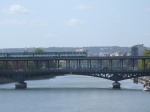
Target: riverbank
5	80
143	80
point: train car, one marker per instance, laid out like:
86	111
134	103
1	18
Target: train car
73	54
20	54
83	54
47	54
3	55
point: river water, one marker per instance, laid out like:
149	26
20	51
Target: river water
73	93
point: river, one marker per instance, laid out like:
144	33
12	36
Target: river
74	93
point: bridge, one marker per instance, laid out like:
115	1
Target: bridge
116	69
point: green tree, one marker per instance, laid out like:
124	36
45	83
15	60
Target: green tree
140	64
31	65
146	53
147	62
6	65
39	50
1	65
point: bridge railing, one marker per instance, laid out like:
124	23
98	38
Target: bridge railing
121	63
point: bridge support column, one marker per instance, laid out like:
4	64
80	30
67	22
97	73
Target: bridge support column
21	85
116	84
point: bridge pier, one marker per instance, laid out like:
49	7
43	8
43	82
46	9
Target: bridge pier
21	85
116	84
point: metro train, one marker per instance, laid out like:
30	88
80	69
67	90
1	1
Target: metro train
44	54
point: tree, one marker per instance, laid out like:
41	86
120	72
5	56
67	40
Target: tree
39	50
2	65
146	53
32	64
147	62
6	65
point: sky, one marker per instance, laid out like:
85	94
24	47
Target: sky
74	23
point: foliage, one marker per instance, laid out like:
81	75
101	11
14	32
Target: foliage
146	53
39	50
147	62
31	65
9	65
1	65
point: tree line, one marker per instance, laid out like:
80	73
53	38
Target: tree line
147	61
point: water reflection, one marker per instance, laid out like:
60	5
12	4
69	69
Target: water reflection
73	93
75	82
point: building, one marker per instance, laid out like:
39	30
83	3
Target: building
118	53
104	54
137	50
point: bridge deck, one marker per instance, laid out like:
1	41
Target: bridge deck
24	68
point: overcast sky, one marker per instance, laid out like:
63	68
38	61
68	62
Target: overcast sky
74	23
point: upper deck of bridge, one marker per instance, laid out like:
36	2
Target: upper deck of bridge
76	58
62	56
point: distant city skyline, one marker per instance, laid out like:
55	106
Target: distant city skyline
74	23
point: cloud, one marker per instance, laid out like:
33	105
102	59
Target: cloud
74	22
83	7
22	22
16	9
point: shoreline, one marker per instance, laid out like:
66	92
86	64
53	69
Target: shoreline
143	81
5	80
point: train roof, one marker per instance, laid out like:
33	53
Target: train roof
41	52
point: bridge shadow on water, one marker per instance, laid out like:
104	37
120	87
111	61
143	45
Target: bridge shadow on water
49	89
75	83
